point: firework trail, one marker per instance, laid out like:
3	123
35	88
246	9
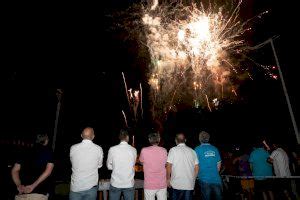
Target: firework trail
125	85
125	119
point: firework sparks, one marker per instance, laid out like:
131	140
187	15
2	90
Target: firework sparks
192	47
207	101
141	89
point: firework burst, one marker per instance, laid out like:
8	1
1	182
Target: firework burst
192	50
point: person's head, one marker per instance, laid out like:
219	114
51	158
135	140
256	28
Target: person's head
154	138
88	133
124	136
180	138
275	144
204	137
42	139
259	142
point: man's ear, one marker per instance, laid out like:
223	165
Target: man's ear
81	136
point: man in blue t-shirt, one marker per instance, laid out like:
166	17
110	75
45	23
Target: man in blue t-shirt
210	165
260	168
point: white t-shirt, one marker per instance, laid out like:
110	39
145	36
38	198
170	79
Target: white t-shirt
121	160
86	157
280	162
183	160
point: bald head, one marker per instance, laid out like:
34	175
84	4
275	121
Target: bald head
88	133
180	138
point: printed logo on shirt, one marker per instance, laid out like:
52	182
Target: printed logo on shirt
209	154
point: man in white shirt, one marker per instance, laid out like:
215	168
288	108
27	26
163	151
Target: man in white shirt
86	158
280	161
121	160
182	169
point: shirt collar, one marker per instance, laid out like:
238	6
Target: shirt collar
181	144
123	142
205	144
86	141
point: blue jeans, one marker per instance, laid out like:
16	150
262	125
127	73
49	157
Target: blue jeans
115	193
208	190
90	194
182	194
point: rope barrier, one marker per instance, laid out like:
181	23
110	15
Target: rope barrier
259	177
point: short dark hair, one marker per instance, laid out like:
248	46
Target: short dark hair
259	142
41	138
204	137
123	134
180	138
154	138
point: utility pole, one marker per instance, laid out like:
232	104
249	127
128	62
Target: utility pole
285	92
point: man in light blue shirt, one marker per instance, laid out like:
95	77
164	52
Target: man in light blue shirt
210	165
260	168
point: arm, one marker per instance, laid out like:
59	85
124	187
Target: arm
219	164
196	170
141	157
169	172
42	177
251	161
15	174
197	166
223	168
109	161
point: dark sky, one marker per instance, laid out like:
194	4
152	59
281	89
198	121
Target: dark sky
66	46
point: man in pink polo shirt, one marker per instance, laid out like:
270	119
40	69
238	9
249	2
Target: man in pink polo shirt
154	159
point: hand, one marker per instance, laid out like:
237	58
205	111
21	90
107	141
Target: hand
21	189
28	189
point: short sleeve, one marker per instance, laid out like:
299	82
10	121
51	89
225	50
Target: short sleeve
273	154
109	161
100	157
49	156
19	159
196	158
135	152
171	156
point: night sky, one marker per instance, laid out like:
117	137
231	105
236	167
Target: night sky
67	46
